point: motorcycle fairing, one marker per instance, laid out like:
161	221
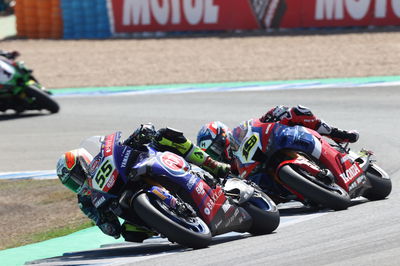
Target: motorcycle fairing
107	169
110	168
212	204
296	138
254	138
176	169
299	138
6	72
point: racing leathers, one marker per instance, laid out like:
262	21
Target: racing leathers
165	139
9	55
300	115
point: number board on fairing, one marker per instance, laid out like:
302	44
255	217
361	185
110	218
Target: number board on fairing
104	173
248	148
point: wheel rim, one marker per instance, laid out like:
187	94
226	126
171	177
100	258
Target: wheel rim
194	224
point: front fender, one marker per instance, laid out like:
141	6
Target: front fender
245	191
302	162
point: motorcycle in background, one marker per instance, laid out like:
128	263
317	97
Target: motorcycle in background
20	90
172	197
298	163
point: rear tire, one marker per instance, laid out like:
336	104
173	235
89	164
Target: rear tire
41	100
191	232
381	185
337	200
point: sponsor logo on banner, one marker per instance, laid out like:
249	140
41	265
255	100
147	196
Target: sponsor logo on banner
269	12
328	13
355	9
181	15
163	12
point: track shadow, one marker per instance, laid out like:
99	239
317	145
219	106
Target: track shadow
127	250
296	208
13	116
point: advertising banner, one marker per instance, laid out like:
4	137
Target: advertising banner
182	15
191	15
345	13
275	14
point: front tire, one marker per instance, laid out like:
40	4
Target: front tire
264	213
191	232
381	185
41	100
335	198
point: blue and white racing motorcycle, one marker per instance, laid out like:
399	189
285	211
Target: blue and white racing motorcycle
172	197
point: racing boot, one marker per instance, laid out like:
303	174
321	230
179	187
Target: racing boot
343	136
135	233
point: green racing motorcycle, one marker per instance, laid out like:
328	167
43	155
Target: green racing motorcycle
20	91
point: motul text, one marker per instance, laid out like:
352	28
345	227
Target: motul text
141	12
357	9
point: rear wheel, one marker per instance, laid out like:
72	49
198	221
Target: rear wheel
188	231
264	213
331	196
41	100
381	185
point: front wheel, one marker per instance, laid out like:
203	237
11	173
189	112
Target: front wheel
381	185
331	196
188	231
264	213
39	99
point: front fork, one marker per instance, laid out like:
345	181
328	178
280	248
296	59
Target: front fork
172	202
164	195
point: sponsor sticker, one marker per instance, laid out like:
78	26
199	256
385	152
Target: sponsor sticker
173	163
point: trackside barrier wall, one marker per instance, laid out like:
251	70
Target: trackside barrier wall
76	19
85	19
38	18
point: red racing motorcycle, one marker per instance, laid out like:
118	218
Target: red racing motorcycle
297	163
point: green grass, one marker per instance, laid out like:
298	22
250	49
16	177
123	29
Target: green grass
52	233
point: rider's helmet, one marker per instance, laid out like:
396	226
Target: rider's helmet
71	168
214	138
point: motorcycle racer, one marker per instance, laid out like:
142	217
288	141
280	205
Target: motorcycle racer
9	55
215	138
71	172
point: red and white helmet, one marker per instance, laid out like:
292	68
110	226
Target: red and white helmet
71	168
215	139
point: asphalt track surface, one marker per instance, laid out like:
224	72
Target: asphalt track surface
368	233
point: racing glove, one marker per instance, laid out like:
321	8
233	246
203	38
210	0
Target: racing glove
142	135
218	169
